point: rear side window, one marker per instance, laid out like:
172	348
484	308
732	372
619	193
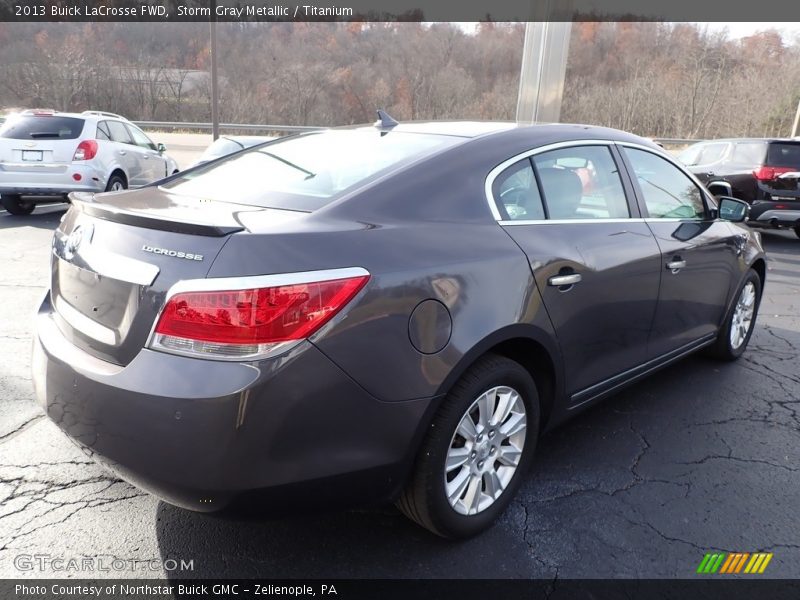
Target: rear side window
783	155
41	127
517	193
668	192
748	153
308	171
581	182
102	131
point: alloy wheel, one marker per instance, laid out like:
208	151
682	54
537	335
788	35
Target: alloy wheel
743	315
485	450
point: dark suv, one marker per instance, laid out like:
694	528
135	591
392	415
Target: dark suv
763	172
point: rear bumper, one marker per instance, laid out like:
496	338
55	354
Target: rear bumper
49	179
779	213
197	433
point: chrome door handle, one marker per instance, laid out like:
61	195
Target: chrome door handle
561	280
676	265
145	156
121	152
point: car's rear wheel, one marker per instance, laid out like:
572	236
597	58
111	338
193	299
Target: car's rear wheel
116	183
478	446
735	334
16	205
797	231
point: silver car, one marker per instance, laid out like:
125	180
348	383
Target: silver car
46	154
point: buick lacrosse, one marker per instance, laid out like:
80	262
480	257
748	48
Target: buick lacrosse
392	312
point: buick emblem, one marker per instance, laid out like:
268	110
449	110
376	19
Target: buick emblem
78	236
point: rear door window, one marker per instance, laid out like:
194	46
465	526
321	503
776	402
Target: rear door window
42	127
581	182
119	133
781	154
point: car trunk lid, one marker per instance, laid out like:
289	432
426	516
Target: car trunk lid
116	255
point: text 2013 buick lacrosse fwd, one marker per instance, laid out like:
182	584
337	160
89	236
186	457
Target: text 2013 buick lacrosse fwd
388	312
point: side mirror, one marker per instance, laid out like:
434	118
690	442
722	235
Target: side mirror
731	209
720	189
161	148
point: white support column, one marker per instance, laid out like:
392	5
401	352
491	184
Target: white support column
544	65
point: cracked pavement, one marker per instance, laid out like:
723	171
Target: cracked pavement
700	457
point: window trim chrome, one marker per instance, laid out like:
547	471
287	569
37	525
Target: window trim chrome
571	221
487	188
495	172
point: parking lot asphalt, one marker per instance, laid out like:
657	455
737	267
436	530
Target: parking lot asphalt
701	457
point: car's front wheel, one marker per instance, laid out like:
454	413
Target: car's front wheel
16	205
478	446
735	334
797	231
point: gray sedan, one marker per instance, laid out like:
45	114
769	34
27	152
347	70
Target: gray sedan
382	313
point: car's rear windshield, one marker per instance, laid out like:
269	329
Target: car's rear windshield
44	127
783	154
306	172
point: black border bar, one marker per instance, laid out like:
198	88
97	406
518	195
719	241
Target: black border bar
706	588
398	10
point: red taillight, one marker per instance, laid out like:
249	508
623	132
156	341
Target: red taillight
240	322
87	150
770	173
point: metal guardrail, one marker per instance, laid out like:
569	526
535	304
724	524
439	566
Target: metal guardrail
675	141
225	126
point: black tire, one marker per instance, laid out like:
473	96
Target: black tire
424	499
723	348
116	179
797	231
16	205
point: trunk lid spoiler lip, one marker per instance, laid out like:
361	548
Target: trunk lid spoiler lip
84	201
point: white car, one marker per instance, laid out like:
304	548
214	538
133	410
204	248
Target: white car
46	154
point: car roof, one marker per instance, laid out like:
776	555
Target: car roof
544	132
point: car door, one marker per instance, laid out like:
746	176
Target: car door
596	264
125	151
699	252
154	165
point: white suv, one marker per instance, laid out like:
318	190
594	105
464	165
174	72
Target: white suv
44	153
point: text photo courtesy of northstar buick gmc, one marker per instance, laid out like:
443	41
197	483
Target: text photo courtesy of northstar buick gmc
382	313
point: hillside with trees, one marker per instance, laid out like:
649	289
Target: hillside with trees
655	79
